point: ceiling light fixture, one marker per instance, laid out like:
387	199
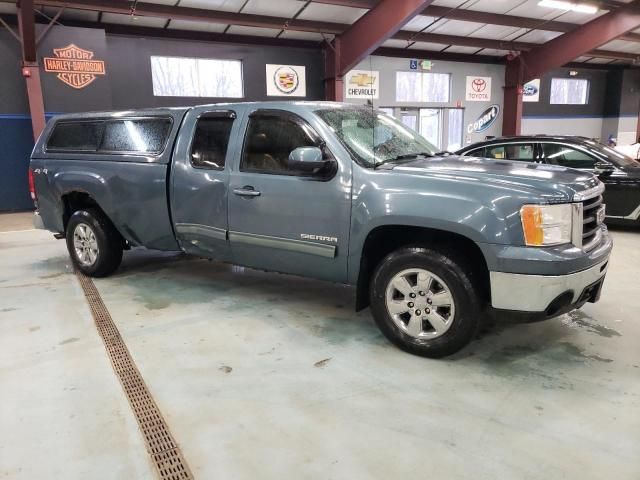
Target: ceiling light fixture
570	6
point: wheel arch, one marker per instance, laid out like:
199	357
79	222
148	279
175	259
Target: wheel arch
79	199
382	240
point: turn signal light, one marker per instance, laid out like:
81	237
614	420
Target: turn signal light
545	225
532	224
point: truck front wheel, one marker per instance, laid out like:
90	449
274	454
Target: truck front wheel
94	244
425	301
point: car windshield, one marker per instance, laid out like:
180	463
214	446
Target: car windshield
619	159
374	137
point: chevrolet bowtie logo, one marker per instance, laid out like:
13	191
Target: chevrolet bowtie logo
362	80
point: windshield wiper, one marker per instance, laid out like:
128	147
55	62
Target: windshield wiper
404	156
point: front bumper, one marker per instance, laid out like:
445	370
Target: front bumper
550	294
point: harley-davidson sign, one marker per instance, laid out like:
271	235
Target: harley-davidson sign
75	66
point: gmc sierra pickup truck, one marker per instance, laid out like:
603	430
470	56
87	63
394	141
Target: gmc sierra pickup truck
334	192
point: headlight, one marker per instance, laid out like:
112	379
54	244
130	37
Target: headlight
546	225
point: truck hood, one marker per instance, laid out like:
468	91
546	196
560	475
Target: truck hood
551	183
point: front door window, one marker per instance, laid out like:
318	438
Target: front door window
269	141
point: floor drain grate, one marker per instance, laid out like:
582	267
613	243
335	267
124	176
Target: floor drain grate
161	445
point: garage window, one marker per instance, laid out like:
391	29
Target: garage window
423	87
569	91
196	77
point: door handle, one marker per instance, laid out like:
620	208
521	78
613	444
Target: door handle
246	192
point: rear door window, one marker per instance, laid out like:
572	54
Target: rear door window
76	136
211	140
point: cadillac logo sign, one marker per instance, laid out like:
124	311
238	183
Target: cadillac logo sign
75	66
286	80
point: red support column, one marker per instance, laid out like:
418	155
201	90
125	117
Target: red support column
34	94
513	83
30	68
333	82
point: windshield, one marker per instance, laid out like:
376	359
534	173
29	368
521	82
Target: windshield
619	159
373	137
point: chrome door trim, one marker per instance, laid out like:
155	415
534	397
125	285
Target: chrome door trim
299	246
202	230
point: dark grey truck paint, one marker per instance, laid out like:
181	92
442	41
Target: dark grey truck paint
330	229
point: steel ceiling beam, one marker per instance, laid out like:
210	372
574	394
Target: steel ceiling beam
476	42
349	3
605	5
581	41
264	21
510	21
154	10
431	55
27	29
374	28
466	15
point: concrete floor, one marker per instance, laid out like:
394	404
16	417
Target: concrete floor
270	376
11	222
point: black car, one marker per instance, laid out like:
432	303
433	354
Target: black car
619	173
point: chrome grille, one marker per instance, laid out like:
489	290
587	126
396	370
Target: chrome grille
591	230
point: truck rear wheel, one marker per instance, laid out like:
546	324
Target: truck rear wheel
425	301
94	244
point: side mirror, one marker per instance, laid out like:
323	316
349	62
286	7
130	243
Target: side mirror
309	160
603	168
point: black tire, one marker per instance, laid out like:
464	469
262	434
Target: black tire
109	241
465	289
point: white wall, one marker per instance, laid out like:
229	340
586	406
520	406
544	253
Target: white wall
388	66
627	130
591	127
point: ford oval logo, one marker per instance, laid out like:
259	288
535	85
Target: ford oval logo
485	120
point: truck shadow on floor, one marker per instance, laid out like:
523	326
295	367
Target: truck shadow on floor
160	280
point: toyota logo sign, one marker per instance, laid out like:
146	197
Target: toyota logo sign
478	84
478	89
